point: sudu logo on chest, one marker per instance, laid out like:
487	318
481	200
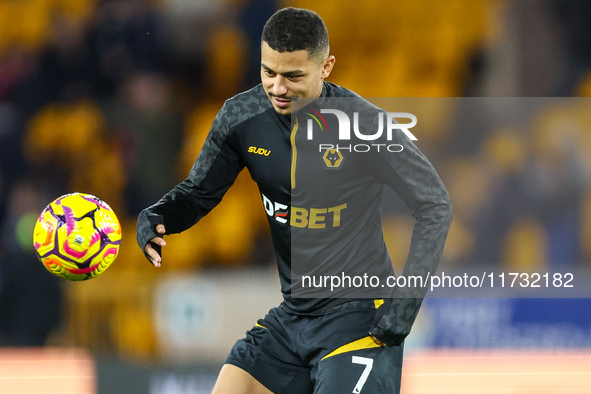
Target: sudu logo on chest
259	151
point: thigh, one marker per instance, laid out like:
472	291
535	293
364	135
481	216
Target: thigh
375	370
234	380
268	354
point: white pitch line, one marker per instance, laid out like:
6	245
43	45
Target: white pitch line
493	373
46	377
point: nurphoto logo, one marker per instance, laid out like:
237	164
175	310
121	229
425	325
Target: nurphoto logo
345	125
347	130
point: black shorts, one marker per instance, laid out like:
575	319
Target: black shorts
331	353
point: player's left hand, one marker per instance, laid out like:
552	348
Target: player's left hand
377	341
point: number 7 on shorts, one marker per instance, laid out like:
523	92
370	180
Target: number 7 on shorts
368	362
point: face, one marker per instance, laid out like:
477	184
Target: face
286	75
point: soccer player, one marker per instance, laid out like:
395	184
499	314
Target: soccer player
310	345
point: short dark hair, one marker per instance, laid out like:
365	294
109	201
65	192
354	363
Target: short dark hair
294	29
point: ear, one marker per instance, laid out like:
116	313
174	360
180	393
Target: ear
327	66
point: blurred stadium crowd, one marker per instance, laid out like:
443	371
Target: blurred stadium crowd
115	98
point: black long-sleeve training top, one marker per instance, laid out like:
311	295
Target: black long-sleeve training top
323	204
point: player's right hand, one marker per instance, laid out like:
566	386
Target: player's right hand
154	246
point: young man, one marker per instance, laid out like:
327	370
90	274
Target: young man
309	345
